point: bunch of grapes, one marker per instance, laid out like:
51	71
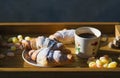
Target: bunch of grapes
102	62
13	44
17	41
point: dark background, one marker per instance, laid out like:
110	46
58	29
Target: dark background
59	10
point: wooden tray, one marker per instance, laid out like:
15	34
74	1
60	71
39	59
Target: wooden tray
16	64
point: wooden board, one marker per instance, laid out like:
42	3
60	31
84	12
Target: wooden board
13	64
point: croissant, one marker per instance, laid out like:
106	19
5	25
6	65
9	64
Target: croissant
40	42
50	57
48	52
65	36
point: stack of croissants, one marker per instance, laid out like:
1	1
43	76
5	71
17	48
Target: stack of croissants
50	51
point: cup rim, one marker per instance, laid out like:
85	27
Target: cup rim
88	28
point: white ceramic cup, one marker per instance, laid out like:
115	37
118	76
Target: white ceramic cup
87	46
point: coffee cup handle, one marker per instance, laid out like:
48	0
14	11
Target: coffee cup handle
104	39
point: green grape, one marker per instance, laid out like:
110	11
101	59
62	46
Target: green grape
105	65
92	64
20	37
104	60
99	63
15	40
13	48
27	38
10	39
112	64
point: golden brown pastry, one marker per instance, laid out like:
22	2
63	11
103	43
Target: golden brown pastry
64	36
40	42
49	57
